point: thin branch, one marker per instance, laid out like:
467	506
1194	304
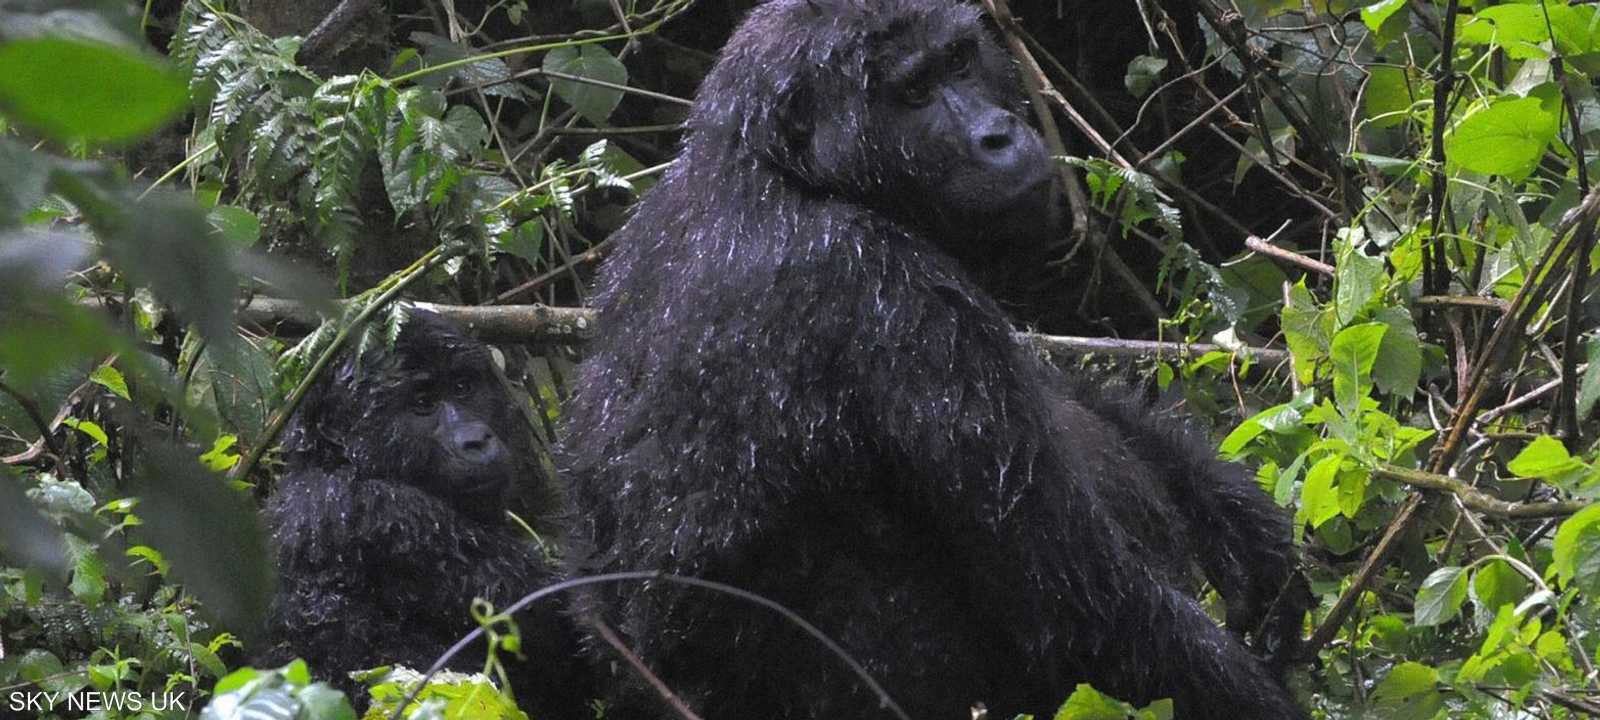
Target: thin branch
1288	256
632	658
575	325
1477	499
46	434
1144	348
1468	301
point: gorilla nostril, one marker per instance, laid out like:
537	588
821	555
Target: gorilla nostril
997	141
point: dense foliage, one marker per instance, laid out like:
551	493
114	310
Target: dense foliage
1366	233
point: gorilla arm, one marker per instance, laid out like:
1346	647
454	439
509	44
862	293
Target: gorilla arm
989	460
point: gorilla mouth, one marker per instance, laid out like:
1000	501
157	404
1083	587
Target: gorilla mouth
476	481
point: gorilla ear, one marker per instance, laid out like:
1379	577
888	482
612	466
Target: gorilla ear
308	431
795	118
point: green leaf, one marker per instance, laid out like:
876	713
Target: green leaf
525	241
1305	330
1087	703
1374	15
1589	386
238	226
1399	363
1143	73
88	427
218	459
164	242
1518	28
1409	693
1577	550
1497	584
1353	483
1405	681
111	379
44	669
27	177
1441	596
76	90
1319	496
88	572
1277	419
593	102
1575	28
1357	278
1507	138
1387	97
1545	457
325	703
208	532
1354	351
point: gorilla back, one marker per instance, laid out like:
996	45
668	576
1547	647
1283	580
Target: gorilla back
798	390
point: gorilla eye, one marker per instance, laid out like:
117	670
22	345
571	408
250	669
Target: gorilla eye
917	94
462	387
423	403
960	61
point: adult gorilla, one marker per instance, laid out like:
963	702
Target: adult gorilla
389	520
798	391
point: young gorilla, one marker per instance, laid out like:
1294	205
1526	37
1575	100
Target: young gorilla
389	520
799	391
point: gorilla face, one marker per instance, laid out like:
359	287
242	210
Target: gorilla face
907	107
451	448
433	413
949	107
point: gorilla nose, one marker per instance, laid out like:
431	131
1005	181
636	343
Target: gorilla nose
476	441
996	135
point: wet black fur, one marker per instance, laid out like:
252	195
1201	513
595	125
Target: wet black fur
799	391
377	562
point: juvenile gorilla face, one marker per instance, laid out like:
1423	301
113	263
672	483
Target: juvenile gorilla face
443	414
432	413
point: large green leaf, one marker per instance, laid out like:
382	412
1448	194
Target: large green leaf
1357	279
1506	138
1399	363
1441	596
1577	550
76	90
1517	28
1319	496
1497	584
1545	457
1355	350
593	102
1387	96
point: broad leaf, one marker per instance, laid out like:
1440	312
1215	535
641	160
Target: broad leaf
593	102
1507	138
1440	598
75	90
1354	351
